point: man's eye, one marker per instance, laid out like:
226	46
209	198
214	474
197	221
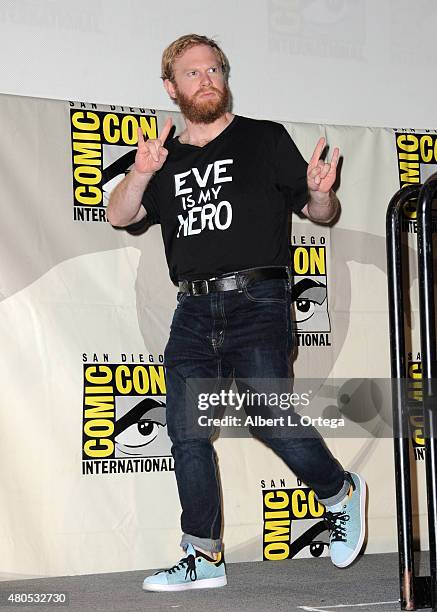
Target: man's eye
192	73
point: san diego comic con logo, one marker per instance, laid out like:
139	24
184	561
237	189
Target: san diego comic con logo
415	409
103	143
294	524
417	160
310	291
124	422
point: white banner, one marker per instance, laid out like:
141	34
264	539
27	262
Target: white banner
84	320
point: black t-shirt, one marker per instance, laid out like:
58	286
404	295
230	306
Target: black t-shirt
224	207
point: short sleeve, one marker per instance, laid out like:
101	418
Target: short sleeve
150	201
291	172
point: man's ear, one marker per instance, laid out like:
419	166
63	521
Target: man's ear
170	88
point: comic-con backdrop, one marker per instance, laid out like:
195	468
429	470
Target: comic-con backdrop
87	478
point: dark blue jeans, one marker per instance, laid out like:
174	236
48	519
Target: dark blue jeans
244	334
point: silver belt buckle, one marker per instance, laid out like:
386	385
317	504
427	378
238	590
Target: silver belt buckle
200	292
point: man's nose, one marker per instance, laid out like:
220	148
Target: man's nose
205	79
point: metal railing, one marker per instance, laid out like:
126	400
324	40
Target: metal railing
416	591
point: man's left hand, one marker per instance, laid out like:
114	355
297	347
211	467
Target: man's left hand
321	175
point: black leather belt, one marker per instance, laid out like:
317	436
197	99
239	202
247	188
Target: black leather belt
233	281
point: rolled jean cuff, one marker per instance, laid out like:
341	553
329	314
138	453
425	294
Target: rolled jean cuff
203	543
338	497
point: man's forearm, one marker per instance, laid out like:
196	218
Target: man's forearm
322	207
124	206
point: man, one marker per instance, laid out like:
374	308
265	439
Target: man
222	192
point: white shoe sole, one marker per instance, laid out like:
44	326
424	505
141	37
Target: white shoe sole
206	583
356	551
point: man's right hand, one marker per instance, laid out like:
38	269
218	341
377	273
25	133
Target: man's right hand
151	154
124	207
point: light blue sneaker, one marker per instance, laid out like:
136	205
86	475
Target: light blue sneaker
347	523
192	572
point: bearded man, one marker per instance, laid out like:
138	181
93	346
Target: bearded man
222	191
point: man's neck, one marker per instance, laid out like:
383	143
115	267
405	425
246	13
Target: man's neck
199	134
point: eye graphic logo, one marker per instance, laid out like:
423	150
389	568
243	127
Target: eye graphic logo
140	427
310	301
309	292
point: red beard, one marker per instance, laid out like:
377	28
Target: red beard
199	109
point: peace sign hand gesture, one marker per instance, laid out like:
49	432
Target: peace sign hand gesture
321	175
151	153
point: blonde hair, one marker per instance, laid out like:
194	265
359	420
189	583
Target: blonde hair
178	46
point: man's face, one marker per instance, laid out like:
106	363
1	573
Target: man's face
199	86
